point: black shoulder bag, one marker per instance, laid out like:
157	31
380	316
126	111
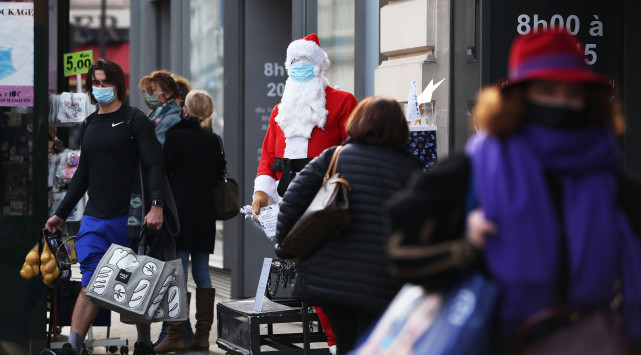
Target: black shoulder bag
226	193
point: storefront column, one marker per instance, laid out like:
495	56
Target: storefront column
415	38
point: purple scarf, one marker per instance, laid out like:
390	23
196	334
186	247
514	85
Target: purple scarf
511	186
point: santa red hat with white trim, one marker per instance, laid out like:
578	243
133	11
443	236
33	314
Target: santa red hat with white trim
307	47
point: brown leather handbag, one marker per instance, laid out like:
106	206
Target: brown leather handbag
327	215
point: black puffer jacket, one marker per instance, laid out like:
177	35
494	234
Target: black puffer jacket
351	270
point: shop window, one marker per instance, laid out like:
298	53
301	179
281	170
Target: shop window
206	73
336	28
206	65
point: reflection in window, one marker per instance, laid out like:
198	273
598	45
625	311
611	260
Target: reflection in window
206	66
336	33
206	73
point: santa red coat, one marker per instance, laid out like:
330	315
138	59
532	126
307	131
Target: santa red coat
339	105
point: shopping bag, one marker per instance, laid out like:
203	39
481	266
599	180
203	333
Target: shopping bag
55	259
141	288
408	316
51	257
31	266
463	324
455	321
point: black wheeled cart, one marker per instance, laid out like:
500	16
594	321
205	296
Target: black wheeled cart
62	299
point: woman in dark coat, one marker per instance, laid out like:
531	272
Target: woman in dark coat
348	277
195	163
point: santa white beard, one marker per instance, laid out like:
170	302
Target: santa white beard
301	109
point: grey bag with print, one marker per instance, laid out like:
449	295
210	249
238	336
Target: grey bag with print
141	288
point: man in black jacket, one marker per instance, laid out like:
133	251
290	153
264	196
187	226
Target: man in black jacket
107	170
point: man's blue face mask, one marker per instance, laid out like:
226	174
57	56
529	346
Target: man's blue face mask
104	96
302	71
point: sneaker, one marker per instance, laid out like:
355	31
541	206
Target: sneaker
66	350
143	349
332	349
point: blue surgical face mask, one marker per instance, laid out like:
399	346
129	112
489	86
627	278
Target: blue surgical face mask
152	100
302	71
104	96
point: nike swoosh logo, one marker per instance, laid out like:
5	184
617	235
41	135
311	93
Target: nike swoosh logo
115	124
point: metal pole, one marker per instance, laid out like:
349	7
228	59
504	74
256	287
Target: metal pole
102	36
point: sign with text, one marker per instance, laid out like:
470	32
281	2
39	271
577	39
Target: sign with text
78	62
599	26
16	54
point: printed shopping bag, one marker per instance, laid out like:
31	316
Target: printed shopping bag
455	321
142	289
408	316
463	324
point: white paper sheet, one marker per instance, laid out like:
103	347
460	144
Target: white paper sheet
262	284
267	218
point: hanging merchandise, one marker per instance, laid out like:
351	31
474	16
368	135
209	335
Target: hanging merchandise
76	213
70	108
52	168
54	102
68	165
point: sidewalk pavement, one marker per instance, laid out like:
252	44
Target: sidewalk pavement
126	331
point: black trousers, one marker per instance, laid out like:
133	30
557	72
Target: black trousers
348	325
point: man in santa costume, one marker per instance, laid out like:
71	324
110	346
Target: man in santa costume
310	118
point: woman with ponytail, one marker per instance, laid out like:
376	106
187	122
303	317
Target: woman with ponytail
195	163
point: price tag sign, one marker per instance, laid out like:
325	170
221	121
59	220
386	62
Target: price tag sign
78	62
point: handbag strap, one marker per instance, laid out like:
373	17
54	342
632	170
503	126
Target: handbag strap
141	239
331	169
222	152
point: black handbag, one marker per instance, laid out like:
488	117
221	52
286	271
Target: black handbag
226	197
327	215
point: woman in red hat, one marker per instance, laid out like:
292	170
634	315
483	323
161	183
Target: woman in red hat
538	196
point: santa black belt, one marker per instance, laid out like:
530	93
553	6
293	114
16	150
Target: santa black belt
282	164
289	167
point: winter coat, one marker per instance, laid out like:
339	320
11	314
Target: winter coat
194	165
351	270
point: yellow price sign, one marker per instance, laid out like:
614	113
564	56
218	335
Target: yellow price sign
78	62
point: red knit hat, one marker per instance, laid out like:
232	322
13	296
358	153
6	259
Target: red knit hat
550	55
307	47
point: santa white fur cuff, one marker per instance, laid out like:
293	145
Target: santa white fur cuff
268	185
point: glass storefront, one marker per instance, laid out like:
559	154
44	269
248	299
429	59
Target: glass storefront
336	28
206	73
206	65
